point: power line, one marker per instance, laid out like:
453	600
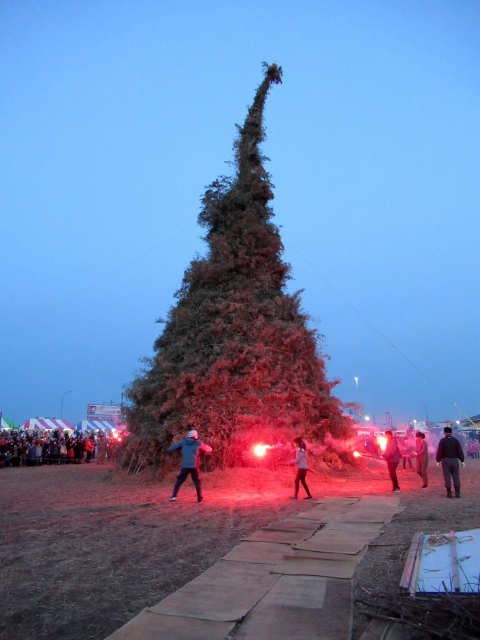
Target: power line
365	319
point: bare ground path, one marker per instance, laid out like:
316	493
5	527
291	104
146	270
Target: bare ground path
82	551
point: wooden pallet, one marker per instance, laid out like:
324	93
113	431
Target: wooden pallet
408	583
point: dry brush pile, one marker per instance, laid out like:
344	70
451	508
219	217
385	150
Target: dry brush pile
236	359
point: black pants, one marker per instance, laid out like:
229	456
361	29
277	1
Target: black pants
183	475
451	469
301	474
392	470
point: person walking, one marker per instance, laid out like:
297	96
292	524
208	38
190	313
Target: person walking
191	448
302	468
392	457
421	455
449	455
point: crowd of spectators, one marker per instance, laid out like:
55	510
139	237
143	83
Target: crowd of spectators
472	448
32	449
468	440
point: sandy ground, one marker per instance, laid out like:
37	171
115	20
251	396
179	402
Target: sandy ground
83	550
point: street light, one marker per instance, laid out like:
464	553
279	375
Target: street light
61	410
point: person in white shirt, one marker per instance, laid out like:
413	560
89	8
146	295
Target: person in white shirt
302	468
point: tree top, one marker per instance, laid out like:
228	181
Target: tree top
252	133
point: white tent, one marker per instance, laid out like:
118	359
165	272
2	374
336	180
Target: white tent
94	426
47	424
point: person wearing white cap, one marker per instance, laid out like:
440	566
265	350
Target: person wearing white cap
191	448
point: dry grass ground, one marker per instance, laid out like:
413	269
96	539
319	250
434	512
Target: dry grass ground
83	550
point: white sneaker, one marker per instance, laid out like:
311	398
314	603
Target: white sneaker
172	499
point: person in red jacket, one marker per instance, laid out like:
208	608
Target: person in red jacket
89	448
70	453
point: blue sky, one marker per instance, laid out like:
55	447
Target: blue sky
115	115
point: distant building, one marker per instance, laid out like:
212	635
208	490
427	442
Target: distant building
421	425
444	424
467	423
416	425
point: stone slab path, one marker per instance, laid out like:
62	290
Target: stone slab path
292	579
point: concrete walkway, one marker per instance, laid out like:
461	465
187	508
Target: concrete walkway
292	579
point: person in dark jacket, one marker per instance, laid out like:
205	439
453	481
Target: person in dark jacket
78	450
392	457
449	455
31	454
46	451
191	448
54	452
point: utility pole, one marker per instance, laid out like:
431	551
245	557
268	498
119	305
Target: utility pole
358	400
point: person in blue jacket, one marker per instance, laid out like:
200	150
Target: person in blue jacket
191	448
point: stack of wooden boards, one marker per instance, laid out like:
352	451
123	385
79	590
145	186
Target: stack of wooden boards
440	563
292	579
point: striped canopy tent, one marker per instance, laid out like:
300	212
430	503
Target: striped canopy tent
8	424
48	424
94	426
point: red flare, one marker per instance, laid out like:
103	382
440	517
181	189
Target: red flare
261	449
382	442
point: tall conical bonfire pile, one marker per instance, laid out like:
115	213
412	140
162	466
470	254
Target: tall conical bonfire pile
236	360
